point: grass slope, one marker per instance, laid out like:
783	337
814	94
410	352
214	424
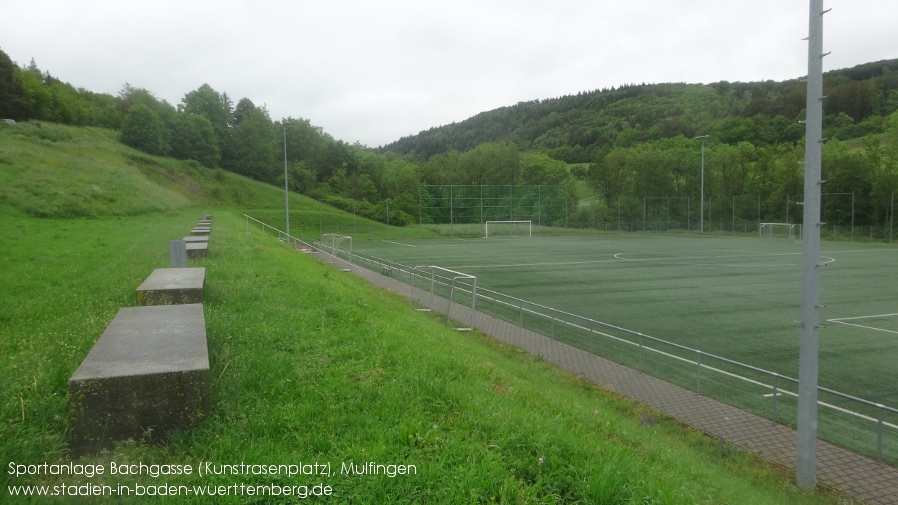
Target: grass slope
309	365
50	170
312	365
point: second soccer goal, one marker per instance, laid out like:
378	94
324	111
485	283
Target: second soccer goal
508	229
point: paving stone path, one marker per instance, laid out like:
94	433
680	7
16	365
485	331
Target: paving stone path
857	476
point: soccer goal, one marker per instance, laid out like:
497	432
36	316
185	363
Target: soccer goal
779	230
334	242
508	229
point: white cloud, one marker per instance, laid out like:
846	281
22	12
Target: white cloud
376	71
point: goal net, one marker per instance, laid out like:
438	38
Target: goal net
779	230
508	229
336	244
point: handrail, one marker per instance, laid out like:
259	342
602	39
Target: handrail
519	304
534	309
285	234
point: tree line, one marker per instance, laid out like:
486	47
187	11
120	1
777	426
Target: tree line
628	144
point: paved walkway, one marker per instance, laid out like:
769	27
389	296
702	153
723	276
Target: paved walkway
857	476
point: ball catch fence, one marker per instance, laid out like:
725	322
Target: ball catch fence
462	211
466	210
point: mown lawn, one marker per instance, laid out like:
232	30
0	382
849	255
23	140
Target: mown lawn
312	365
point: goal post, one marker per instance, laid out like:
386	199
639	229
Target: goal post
508	229
334	241
779	230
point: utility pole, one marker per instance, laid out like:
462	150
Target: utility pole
809	344
701	226
286	190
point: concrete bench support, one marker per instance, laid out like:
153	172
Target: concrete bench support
147	376
197	250
177	253
172	286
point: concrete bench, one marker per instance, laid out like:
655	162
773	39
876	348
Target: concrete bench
204	223
200	231
172	286
197	250
146	376
196	238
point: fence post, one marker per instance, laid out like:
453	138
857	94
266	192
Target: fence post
449	308
698	372
640	351
432	283
879	435
775	394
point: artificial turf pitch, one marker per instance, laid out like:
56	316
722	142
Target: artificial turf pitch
733	297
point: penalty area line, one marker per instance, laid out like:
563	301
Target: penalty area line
842	320
862	326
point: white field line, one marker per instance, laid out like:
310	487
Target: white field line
621	257
617	257
550	264
842	320
715	369
398	243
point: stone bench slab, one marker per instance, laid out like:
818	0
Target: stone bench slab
147	375
197	250
171	286
196	238
200	231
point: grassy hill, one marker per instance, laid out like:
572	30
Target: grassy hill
575	128
50	170
308	364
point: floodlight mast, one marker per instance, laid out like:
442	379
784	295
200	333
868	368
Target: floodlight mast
809	344
286	191
701	226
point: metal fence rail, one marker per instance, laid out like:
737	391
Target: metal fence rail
281	235
855	423
864	426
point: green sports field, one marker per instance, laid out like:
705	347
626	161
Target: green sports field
733	297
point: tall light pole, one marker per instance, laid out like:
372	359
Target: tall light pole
286	190
809	343
701	226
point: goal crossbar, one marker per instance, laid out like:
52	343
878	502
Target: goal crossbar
782	230
334	240
524	225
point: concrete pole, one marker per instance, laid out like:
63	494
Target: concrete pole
806	467
701	226
286	190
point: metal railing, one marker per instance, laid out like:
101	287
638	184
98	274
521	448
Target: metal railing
845	419
281	235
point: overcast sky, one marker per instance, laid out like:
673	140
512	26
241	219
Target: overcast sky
374	71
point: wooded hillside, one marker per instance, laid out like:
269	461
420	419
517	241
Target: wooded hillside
631	144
